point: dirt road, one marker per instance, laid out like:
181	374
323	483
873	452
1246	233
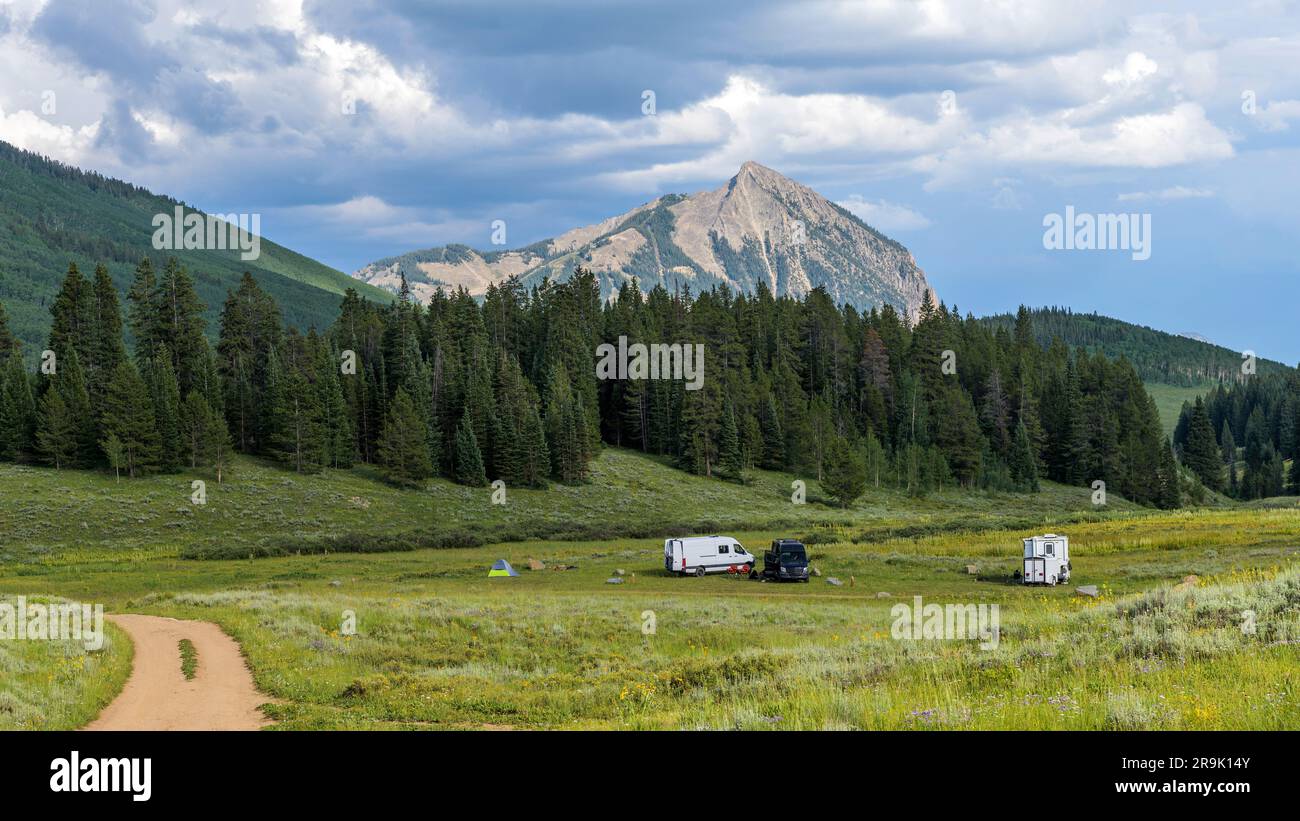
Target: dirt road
157	696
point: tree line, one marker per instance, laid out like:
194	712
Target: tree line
1237	437
506	388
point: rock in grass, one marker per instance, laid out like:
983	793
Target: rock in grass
614	580
534	564
972	570
882	595
618	572
834	581
816	572
1087	590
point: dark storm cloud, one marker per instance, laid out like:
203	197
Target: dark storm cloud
104	36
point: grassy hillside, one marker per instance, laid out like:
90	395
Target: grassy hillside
52	214
1170	398
69	517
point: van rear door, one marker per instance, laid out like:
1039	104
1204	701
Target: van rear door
674	558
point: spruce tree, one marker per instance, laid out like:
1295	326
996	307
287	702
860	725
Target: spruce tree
731	463
1023	464
17	409
1170	495
107	348
195	421
129	416
469	460
56	431
536	455
1202	455
403	450
845	473
166	396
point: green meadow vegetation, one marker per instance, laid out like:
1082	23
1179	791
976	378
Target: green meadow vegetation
440	645
59	685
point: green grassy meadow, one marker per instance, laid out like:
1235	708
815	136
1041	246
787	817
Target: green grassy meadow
438	644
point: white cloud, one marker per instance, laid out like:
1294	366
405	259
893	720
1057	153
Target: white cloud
884	216
1177	192
1136	68
1278	114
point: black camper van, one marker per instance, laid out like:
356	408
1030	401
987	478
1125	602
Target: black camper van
786	561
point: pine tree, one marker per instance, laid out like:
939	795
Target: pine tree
166	396
469	460
140	311
731	463
72	313
537	458
702	412
17	409
845	473
1170	495
56	432
129	416
107	348
403	450
769	422
1023	464
1202	455
195	421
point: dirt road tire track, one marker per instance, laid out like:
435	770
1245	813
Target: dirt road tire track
157	696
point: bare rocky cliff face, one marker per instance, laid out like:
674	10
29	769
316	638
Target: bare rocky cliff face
759	227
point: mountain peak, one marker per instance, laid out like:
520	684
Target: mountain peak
761	174
760	226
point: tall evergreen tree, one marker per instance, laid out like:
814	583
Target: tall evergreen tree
129	416
469	460
1202	455
403	448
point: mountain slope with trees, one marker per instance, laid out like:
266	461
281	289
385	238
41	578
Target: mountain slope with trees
1169	359
52	214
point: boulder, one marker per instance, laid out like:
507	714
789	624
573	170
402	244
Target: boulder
972	570
534	564
614	580
1089	590
834	581
882	595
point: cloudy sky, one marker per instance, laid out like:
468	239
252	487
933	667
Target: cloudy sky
365	128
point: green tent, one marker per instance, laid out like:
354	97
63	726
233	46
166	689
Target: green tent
502	568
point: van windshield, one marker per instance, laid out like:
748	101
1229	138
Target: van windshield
794	557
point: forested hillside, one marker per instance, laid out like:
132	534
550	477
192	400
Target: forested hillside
1157	356
52	214
1237	438
508	390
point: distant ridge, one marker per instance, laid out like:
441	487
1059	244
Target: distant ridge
1172	359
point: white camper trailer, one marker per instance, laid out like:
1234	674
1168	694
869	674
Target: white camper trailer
1047	559
697	555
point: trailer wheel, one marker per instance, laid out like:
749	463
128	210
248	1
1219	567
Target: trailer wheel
699	572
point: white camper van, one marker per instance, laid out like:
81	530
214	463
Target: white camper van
1047	559
697	555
